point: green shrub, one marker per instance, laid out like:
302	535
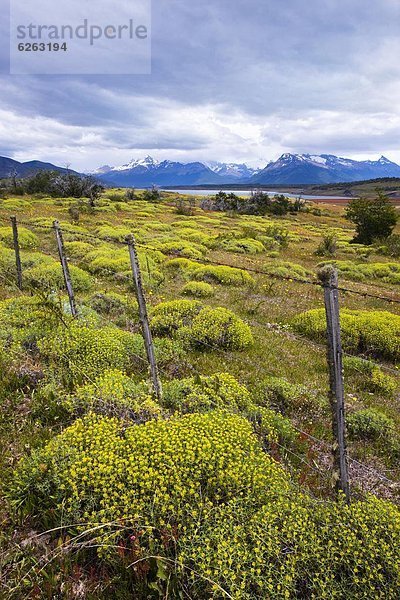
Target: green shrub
286	269
168	317
50	277
199	289
202	328
115	394
219	328
387	272
150	475
376	333
369	424
114	304
278	393
184	249
243	246
26	319
78	249
373	378
80	354
294	547
202	394
26	238
113	232
221	274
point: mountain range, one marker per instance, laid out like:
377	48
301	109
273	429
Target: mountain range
289	169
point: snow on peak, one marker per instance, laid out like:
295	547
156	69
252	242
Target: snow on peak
148	162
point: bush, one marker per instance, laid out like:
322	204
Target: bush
50	277
115	394
159	475
387	272
168	317
374	379
26	238
278	393
79	354
221	274
114	304
369	424
328	245
374	218
78	249
203	394
376	333
182	248
26	319
243	246
199	289
294	547
214	328
286	269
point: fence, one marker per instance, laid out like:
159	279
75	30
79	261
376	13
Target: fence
327	280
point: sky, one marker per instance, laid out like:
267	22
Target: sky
231	80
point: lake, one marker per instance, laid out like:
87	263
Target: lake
246	194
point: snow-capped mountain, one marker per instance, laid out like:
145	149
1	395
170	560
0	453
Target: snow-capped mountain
232	171
148	171
288	169
324	168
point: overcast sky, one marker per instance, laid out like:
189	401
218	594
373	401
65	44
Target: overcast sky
232	80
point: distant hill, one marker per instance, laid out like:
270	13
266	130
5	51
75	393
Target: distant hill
9	166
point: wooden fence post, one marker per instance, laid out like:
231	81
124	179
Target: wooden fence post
17	253
143	316
65	268
329	279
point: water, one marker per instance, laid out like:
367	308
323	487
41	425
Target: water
247	193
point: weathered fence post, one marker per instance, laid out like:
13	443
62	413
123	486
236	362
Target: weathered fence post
17	254
65	268
143	316
329	279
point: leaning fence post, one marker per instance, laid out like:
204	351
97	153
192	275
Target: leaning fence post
17	253
143	316
329	279
65	268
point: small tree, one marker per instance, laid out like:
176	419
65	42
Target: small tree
374	218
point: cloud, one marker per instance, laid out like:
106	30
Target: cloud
243	80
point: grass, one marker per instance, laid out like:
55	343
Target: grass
282	245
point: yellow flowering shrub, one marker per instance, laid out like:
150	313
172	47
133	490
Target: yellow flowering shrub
198	289
79	354
26	238
204	328
222	275
116	394
26	319
168	317
161	474
201	394
376	333
243	246
50	277
294	547
219	328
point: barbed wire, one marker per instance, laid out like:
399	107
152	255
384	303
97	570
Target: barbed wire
208	261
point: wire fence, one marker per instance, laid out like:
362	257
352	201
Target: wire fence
274	327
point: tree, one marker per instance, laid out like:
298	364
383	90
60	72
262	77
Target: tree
374	218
